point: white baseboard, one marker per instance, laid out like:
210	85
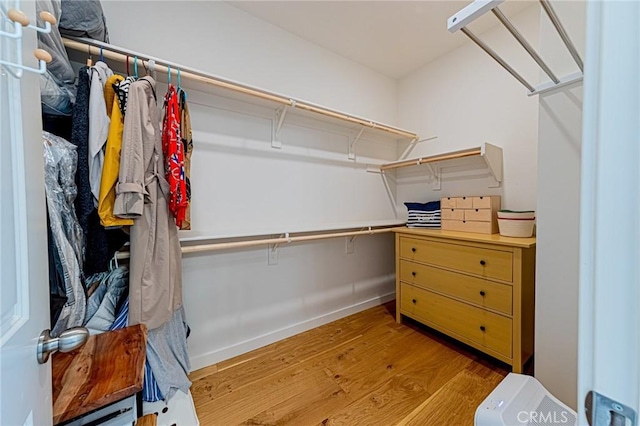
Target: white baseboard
245	346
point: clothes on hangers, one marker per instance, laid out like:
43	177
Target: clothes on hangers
99	244
187	143
142	194
104	302
123	92
167	354
80	138
98	125
173	151
111	166
60	159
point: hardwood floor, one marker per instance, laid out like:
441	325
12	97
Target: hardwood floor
364	369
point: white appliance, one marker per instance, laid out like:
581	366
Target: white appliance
521	400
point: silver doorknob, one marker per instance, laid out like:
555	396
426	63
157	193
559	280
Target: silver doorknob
68	340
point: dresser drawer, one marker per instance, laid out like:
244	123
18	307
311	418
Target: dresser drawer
464	202
481	327
487	294
456	202
467	226
481	202
475	260
455	214
479	215
448	203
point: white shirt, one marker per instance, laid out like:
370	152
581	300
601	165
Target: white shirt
98	125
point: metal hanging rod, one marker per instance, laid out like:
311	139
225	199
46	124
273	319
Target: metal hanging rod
271	241
562	32
497	58
120	54
460	20
524	43
473	152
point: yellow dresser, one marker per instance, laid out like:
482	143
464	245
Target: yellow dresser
476	288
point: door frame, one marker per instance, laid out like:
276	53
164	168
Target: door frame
609	297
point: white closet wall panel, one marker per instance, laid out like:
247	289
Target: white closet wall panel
224	40
465	98
559	168
234	300
242	185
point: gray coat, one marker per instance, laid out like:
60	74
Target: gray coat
155	279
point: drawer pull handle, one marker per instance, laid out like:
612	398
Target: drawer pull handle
414	301
476	209
482	262
414	274
413	249
482	293
482	328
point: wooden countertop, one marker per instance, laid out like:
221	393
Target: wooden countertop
108	368
469	236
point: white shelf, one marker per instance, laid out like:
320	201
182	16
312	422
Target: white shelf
210	83
486	156
200	236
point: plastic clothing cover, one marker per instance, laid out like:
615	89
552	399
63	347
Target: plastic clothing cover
60	159
57	84
84	19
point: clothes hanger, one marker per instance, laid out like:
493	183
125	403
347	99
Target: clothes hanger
135	67
101	55
114	262
90	58
128	66
152	69
181	91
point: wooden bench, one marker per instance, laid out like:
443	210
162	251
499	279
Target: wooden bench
100	380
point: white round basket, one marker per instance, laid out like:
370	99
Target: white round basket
516	227
509	214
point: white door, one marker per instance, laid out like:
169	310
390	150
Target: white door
25	393
609	314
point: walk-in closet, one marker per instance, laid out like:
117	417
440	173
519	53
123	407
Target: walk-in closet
308	212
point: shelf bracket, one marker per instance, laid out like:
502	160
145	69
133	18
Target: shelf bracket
352	144
412	145
492	156
272	250
350	241
278	120
434	171
390	193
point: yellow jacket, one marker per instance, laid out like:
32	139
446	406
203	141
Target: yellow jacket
111	168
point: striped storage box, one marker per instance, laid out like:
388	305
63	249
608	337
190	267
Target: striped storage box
423	215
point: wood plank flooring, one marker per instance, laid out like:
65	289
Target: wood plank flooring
364	369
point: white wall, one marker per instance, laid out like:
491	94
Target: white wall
559	159
234	300
465	98
221	39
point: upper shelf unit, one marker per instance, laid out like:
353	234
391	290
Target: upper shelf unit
486	156
282	103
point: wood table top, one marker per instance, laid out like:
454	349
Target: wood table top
469	236
108	368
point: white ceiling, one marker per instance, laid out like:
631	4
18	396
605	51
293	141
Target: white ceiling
391	37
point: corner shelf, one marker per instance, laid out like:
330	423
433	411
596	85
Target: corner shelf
487	156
